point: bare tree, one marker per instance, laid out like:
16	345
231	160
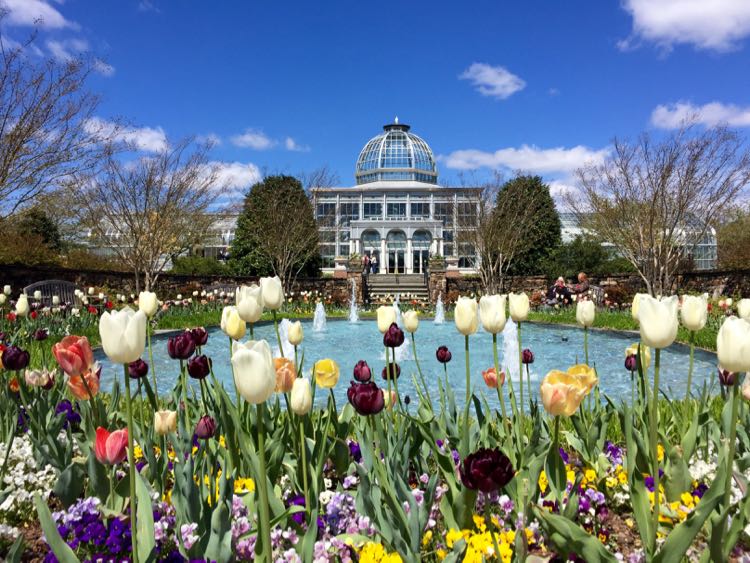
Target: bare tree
45	123
149	211
654	200
322	177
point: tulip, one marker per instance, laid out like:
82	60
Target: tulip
743	309
15	358
55	300
631	363
727	378
694	312
393	337
658	320
635	307
632	350
286	373
729	301
249	302
411	321
38	295
181	347
137	369
487	470
527	357
6	290
518	304
443	355
254	373
389	398
73	354
465	316
231	323
101	297
561	393
386	317
205	428
40	334
199	367
91	291
3	299
148	303
362	372
111	448
300	400
22	306
492	313
165	422
491	378
85	386
391	368
39	378
200	335
366	398
746	390
123	334
585	312
272	293
179	297
732	345
326	373
586	376
295	334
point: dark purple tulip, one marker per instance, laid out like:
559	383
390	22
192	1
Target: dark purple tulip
200	336
362	371
206	427
137	369
631	362
727	378
527	356
15	359
3	336
181	347
393	337
391	370
199	367
40	334
443	355
487	470
366	398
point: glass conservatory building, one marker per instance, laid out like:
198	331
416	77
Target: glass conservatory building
397	212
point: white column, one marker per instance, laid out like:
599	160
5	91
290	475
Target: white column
383	257
441	252
408	263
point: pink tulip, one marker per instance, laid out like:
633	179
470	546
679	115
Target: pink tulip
111	447
74	354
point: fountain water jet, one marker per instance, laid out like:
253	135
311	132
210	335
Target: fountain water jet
439	311
319	320
353	310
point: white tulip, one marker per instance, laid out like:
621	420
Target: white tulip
694	312
165	422
6	290
195	293
179	297
411	321
91	291
658	320
123	334
22	305
729	301
101	297
519	306
492	313
733	345
254	373
55	300
300	400
743	309
249	302
272	292
295	334
585	312
636	303
386	317
37	295
3	298
231	323
465	316
148	303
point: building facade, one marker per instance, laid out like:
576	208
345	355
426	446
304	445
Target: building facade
397	214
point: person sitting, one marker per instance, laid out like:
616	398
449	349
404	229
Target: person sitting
559	294
581	289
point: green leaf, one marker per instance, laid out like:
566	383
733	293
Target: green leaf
61	549
145	520
570	538
69	485
16	551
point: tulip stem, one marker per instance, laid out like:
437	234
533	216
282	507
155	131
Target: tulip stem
732	447
499	385
265	521
394	373
488	522
234	380
690	365
183	381
586	344
252	331
151	357
131	466
468	397
520	374
390	383
655	447
419	369
303	451
278	334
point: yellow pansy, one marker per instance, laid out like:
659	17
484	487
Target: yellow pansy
543	481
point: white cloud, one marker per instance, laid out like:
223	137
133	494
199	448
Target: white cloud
494	81
66	49
236	175
291	145
526	158
253	139
707	24
147	6
34	13
673	116
148	139
211	138
103	68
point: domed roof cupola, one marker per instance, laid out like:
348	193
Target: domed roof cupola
396	154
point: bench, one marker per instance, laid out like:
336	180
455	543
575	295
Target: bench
65	290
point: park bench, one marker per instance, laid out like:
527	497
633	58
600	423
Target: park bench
65	290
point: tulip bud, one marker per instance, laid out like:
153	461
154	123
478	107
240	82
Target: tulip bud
585	312
527	356
254	373
286	373
632	350
386	317
40	334
38	295
743	309
733	345
491	378
366	398
123	334
443	354
393	337
148	303
6	290
272	292
391	371
165	422
631	363
658	320
465	316
249	302
694	312
232	324
492	313
300	400
199	367
295	334
411	321
200	335
14	358
362	372
727	378
22	306
518	304
206	427
137	369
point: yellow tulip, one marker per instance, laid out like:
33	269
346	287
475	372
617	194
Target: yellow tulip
326	373
632	350
231	323
585	374
561	393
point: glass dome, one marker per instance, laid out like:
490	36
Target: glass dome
396	154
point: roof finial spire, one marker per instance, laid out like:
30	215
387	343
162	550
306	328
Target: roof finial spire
396	120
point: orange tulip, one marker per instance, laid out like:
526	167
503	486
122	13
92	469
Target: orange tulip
285	374
85	386
74	354
491	378
13	385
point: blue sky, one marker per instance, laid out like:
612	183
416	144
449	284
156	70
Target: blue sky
537	86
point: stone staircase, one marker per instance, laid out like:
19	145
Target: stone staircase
383	288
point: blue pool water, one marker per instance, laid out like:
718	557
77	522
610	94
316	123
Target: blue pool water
554	347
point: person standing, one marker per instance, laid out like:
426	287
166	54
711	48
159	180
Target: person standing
366	264
374	264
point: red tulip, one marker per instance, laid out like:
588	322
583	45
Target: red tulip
74	354
111	447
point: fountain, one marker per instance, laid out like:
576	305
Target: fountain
439	311
319	320
510	351
284	336
353	310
